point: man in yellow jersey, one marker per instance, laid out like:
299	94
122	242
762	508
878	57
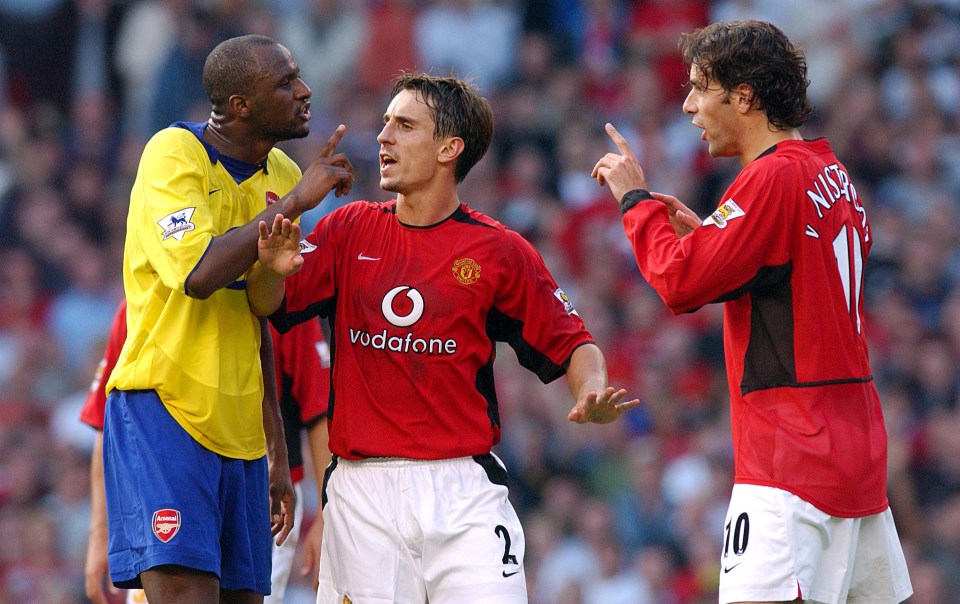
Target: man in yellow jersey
188	431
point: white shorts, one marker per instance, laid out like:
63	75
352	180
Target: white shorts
282	556
407	532
777	547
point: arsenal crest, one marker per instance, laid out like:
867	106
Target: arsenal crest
165	524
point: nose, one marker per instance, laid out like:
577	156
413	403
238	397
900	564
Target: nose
689	104
303	90
384	135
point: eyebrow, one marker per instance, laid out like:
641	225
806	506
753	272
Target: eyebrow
400	118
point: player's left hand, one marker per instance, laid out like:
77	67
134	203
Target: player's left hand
601	408
283	501
278	247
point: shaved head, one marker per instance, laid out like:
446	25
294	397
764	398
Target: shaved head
232	68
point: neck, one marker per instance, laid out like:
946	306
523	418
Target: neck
233	143
419	210
763	138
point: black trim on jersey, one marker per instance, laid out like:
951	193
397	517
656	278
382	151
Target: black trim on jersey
495	472
290	413
502	328
326	478
464	218
332	343
769	360
767	279
632	198
485	386
861	380
284	321
769	151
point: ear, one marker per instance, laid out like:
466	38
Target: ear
239	106
744	98
451	150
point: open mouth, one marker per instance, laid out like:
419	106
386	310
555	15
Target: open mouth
305	112
386	160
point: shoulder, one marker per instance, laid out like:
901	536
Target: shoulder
367	209
509	242
278	161
357	213
171	143
486	225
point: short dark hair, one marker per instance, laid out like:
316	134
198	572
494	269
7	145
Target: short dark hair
760	55
232	68
457	109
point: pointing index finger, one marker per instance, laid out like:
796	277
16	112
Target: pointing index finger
332	142
620	142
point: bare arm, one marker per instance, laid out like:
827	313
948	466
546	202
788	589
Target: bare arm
231	254
587	380
282	497
317	438
95	568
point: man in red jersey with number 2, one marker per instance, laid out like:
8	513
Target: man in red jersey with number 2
784	251
419	290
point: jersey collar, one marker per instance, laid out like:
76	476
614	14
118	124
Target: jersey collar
239	170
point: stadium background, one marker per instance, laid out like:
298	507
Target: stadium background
628	513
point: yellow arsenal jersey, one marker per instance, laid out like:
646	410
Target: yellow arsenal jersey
201	356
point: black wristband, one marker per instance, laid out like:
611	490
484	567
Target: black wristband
632	198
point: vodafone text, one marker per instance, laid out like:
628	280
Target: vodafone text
402	344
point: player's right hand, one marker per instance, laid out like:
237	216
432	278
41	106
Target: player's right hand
621	172
329	172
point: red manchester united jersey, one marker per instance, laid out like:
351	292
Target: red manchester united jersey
415	314
94	406
785	251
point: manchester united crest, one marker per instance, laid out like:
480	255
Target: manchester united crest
466	270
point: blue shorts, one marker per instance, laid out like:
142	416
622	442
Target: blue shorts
171	501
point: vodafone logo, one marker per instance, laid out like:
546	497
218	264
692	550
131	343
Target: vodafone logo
412	316
166	524
402	311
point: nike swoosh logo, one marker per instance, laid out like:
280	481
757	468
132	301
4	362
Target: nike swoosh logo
727	569
506	574
214	191
360	256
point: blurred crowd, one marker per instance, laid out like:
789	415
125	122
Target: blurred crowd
629	513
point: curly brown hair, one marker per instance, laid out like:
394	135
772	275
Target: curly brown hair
457	109
760	55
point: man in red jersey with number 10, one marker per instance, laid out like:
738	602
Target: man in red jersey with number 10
784	251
